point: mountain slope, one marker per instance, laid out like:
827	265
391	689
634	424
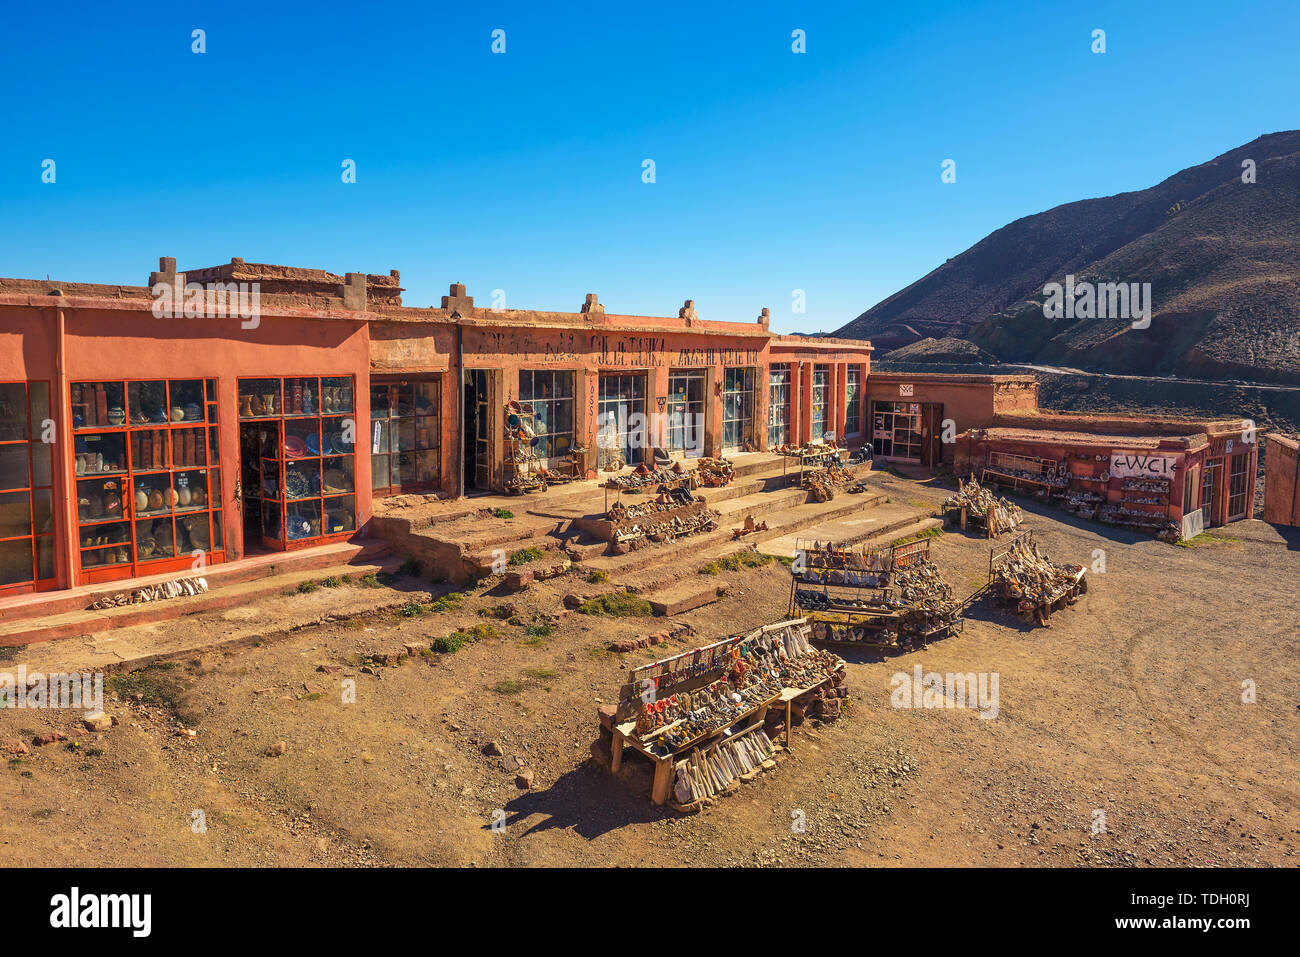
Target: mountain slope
1221	256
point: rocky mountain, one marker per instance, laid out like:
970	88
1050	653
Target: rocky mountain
1221	257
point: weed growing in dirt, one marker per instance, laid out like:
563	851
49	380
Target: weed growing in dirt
155	685
410	567
541	629
928	533
450	644
496	611
333	581
1204	540
503	513
508	686
786	560
525	555
736	562
598	577
412	609
617	605
307	587
372	581
447	602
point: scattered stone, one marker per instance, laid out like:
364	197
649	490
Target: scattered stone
97	722
49	737
493	749
14	746
329	669
416	648
572	601
524	780
277	749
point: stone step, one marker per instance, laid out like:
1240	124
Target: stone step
249	568
904	523
684	554
223	595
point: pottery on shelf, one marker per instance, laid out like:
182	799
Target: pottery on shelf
178	414
116	415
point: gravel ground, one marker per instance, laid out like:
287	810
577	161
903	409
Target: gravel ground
1127	712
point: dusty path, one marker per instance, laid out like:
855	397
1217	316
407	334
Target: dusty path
1130	704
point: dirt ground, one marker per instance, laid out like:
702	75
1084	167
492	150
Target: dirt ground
1130	705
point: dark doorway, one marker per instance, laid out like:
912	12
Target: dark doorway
477	434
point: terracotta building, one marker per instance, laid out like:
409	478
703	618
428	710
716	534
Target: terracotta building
1135	471
1282	480
250	407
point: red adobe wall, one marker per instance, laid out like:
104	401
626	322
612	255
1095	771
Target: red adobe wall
1282	480
105	338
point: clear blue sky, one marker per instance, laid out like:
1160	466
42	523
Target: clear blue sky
775	171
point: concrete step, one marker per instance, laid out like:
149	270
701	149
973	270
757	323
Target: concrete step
683	556
45	604
224	595
893	523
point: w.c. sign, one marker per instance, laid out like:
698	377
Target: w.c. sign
905	390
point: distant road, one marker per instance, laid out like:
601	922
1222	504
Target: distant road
1063	370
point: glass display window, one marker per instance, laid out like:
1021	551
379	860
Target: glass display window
737	409
778	405
26	493
404	435
297	456
620	419
146	460
685	411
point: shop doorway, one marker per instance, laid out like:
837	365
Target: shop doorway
622	432
931	434
477	430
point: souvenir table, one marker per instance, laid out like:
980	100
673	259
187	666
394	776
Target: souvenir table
974	504
818	455
699	716
889	597
1024	577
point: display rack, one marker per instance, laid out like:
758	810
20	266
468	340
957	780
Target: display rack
297	449
146	463
523	473
1005	468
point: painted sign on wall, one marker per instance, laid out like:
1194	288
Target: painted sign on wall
905	389
1132	465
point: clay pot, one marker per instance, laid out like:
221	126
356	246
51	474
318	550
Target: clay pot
246	407
155	500
178	414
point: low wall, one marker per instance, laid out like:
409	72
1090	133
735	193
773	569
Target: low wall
1282	480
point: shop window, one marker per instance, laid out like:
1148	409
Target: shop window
685	411
1209	487
26	497
404	435
896	430
778	405
1238	485
737	409
853	402
620	419
297	442
821	416
147	463
551	396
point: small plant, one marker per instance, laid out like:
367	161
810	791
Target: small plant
617	605
541	629
368	581
449	644
306	588
508	686
503	513
598	577
542	674
333	581
712	568
447	602
410	567
525	555
412	609
498	612
786	560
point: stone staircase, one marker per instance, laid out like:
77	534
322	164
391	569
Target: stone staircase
463	539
